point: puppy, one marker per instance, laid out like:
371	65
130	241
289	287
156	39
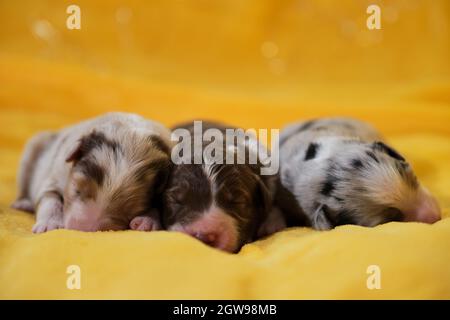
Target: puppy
223	205
338	171
96	175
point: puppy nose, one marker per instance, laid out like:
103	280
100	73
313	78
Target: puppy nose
207	238
431	218
426	210
80	224
86	220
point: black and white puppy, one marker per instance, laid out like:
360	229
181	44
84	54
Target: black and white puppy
338	171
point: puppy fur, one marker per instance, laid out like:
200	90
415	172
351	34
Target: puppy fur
96	175
223	205
339	171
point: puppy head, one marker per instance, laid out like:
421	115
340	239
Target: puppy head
219	204
112	180
351	182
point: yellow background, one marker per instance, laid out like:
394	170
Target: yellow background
255	63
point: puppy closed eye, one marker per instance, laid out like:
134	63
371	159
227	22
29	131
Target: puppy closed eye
80	193
239	202
82	188
234	196
176	195
393	214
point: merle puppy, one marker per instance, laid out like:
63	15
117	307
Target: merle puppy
99	174
338	171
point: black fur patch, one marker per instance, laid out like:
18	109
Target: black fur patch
388	150
357	164
329	185
373	156
345	217
338	218
306	125
393	214
188	193
311	151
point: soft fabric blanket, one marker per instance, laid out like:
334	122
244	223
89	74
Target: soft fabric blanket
51	77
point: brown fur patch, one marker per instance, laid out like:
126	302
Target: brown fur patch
87	143
237	189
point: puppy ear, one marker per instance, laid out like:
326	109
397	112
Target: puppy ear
77	152
320	219
159	144
84	145
378	145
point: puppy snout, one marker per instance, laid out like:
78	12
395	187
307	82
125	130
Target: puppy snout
81	224
428	213
426	209
214	228
207	238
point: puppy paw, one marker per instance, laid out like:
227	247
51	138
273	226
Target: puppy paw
144	223
49	225
23	205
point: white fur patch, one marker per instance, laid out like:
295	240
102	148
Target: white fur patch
83	216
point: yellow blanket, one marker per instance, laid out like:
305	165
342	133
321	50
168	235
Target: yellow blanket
258	64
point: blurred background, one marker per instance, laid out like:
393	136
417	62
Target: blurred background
254	63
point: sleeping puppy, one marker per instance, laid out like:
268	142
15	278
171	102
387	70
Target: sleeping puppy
338	171
96	175
223	205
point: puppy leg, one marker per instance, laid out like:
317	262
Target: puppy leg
33	150
49	215
23	204
274	222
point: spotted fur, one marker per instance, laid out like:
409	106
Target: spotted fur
354	178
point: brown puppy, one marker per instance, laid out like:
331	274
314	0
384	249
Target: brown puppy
223	205
96	175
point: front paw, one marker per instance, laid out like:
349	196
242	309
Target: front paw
144	223
49	225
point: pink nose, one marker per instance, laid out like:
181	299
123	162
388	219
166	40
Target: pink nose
429	217
81	224
426	210
215	228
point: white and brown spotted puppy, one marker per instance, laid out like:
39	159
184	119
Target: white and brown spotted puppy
338	171
223	205
96	175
